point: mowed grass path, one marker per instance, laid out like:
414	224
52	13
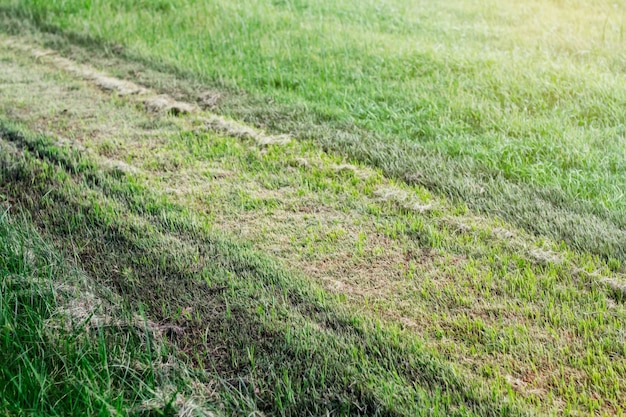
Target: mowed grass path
278	342
515	108
312	285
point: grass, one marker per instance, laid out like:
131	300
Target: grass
66	349
286	344
513	108
305	282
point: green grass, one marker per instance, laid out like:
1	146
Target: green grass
64	349
287	346
513	108
309	285
364	269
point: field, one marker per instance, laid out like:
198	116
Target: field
312	208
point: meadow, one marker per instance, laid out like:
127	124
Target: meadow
373	208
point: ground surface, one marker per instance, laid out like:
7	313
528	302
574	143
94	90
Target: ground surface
317	260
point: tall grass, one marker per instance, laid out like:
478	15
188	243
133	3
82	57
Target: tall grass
53	360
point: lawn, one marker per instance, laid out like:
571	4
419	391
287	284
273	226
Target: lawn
515	108
375	208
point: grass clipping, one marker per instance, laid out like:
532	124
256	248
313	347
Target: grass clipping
152	102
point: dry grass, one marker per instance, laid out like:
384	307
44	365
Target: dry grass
404	199
158	103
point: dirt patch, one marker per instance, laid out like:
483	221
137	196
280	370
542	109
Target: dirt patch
545	256
358	172
210	99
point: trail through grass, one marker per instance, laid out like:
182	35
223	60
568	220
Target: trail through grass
514	108
312	284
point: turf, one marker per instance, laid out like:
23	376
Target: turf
513	108
304	282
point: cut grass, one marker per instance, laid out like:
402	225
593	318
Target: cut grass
519	318
512	108
291	349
